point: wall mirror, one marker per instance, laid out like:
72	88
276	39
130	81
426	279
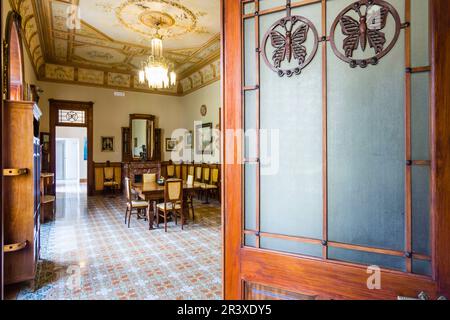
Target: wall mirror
142	137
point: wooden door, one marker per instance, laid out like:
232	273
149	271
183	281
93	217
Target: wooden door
344	192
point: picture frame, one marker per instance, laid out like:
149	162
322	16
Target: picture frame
107	144
204	139
171	144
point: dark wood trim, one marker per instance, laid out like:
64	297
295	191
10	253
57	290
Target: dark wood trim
324	131
88	107
440	42
1	166
232	114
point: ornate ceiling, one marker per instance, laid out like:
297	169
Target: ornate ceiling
102	42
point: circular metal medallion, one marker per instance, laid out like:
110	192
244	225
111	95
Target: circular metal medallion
288	38
362	24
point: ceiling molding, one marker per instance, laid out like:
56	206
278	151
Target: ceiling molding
90	53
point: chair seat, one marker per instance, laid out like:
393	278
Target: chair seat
199	185
139	204
169	206
110	183
210	187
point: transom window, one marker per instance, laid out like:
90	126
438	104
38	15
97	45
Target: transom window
72	116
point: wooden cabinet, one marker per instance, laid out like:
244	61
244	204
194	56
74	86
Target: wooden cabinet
22	163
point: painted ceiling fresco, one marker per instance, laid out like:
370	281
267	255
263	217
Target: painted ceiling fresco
103	42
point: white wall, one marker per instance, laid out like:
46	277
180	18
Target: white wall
112	113
75	133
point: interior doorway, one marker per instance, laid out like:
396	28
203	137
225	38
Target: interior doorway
71	154
69	121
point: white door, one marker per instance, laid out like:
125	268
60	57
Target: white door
71	165
60	156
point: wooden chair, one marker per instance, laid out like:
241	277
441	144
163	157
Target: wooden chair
190	198
206	180
178	171
134	205
170	169
149	177
213	186
198	179
184	172
173	202
191	170
109	179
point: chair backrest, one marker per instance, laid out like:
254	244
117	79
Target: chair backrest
214	176
170	170
108	173
191	170
190	180
206	174
173	191
178	171
198	173
184	172
128	189
149	177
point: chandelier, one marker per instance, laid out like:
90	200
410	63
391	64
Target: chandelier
157	71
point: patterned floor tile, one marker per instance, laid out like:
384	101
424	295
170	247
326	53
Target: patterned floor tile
88	253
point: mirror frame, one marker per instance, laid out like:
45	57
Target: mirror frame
149	140
13	20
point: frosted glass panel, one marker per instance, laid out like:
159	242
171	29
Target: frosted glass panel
288	246
421	209
250	52
420	116
420	33
421	267
250	196
367	258
250	124
291	198
250	240
249	8
366	151
269	4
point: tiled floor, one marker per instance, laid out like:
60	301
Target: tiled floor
89	253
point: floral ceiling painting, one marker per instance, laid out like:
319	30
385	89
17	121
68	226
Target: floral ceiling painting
100	41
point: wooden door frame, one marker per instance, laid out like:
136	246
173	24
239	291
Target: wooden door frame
1	166
88	107
284	269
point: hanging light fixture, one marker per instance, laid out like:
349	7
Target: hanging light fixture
157	71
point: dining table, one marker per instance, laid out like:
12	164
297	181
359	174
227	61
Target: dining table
154	193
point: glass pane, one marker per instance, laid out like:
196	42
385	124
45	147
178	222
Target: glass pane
250	52
71	116
421	267
366	151
249	8
291	197
250	196
421	209
250	240
420	53
250	124
367	258
269	4
288	246
420	116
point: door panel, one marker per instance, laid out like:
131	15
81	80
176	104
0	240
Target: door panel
353	184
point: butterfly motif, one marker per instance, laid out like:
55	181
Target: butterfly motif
289	45
367	29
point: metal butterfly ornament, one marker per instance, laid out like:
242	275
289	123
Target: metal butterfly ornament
362	24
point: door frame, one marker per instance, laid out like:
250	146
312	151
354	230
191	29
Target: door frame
88	108
283	271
